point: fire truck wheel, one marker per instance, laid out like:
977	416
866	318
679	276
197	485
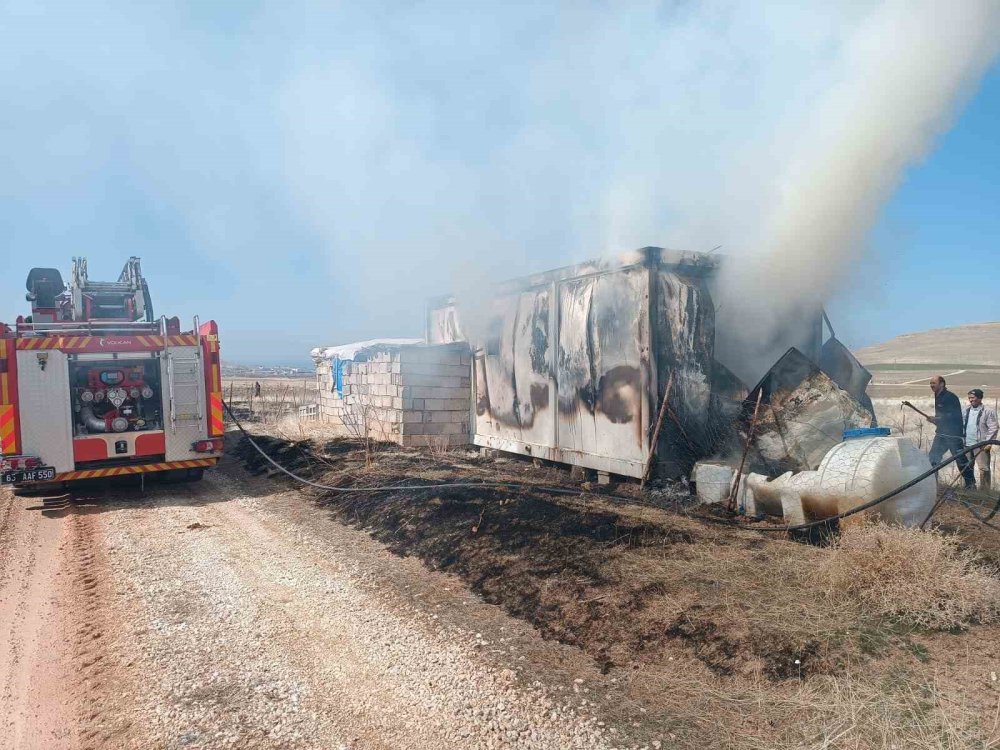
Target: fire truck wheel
174	476
35	490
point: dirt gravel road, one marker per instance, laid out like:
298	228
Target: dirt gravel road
232	613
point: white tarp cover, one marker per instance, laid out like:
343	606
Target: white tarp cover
349	351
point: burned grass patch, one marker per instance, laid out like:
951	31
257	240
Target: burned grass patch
293	455
626	589
629	584
626	583
715	636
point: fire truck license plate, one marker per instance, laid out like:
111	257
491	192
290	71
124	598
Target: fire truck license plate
38	474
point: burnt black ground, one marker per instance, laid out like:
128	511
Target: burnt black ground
571	566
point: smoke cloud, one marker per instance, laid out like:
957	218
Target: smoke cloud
900	80
310	173
498	142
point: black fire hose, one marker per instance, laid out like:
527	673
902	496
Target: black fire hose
563	491
397	488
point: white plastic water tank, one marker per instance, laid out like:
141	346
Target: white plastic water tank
862	469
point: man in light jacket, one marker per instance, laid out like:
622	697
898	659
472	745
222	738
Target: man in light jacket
979	423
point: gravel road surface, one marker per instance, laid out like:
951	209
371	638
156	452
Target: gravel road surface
233	613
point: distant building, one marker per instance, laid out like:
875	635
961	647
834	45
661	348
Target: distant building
397	390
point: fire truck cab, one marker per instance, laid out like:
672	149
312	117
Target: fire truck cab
93	385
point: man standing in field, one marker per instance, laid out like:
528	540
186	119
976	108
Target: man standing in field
979	423
949	432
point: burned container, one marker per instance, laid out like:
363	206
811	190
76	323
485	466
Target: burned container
571	365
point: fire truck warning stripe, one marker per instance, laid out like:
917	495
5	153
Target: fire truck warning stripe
8	435
217	426
138	469
96	343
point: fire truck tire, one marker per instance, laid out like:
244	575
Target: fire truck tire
182	475
34	490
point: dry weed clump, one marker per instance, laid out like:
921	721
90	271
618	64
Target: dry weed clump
924	578
892	710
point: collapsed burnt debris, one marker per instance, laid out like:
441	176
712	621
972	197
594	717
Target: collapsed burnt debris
806	415
814	451
573	365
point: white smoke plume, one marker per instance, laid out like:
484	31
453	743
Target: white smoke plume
309	173
901	78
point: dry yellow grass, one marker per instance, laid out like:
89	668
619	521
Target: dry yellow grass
922	577
896	709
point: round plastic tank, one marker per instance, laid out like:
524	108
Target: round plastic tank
864	468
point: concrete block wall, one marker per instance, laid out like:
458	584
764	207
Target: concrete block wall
414	396
331	405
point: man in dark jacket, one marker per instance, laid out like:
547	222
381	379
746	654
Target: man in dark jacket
949	435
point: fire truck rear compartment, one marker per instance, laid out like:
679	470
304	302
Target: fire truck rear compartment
95	385
117	411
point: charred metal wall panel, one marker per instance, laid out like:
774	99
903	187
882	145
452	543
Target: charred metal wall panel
514	371
602	354
574	362
683	334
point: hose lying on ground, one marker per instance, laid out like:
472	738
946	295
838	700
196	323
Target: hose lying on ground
396	488
575	493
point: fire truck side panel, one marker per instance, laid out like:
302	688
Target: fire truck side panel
185	420
45	411
103	447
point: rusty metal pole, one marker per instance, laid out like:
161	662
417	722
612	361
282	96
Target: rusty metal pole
734	490
656	432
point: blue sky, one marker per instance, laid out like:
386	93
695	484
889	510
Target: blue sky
308	173
933	253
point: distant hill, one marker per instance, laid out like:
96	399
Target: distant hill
975	344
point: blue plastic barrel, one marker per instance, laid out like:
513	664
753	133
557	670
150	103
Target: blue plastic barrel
866	432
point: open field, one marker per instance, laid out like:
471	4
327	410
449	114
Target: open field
249	611
976	344
279	398
966	356
914	384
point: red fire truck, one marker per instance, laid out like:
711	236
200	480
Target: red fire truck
93	385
